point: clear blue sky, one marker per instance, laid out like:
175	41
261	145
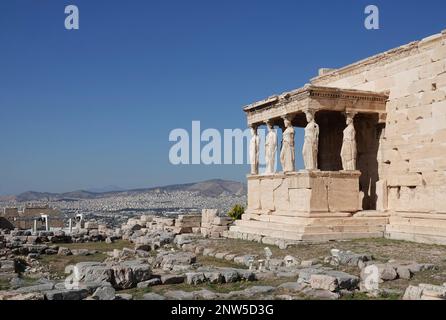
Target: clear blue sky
94	107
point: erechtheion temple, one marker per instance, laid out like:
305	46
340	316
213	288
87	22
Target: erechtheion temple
374	152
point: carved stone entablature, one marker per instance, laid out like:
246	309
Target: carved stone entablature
317	98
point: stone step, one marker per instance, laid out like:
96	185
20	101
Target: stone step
294	214
268	232
305	236
395	220
434	216
309	233
342	236
417	229
371	213
362	220
313	228
420	238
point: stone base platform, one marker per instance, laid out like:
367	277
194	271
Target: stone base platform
417	227
307	206
321	227
304	193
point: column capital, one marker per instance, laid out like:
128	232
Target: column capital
254	126
310	111
350	114
287	117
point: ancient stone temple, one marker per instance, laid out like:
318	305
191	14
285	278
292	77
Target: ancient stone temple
31	218
374	152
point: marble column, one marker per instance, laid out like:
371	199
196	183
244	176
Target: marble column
311	142
47	227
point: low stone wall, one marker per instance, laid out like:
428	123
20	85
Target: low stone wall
213	225
161	223
190	223
13	218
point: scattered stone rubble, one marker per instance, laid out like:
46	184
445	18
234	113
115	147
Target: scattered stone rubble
162	254
425	292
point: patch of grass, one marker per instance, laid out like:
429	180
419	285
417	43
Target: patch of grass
137	293
242	247
4	284
435	277
28	281
56	264
364	296
219	263
390	296
228	287
217	288
160	289
356	296
99	246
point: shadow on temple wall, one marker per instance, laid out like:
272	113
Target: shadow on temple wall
331	127
367	136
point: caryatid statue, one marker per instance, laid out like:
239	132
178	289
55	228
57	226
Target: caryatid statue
254	151
348	150
270	149
287	151
311	142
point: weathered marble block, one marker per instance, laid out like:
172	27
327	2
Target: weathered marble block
304	192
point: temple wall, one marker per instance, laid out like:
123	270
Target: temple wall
412	147
411	161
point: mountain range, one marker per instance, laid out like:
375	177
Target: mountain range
210	188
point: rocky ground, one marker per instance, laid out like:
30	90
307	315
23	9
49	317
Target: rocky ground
141	261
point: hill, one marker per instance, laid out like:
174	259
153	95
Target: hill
210	188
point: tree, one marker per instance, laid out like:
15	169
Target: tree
236	212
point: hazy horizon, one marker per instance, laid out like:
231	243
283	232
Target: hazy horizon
118	188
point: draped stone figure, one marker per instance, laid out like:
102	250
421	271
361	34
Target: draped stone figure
348	150
254	151
270	149
311	143
287	151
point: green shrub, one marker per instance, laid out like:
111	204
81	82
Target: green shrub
236	212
